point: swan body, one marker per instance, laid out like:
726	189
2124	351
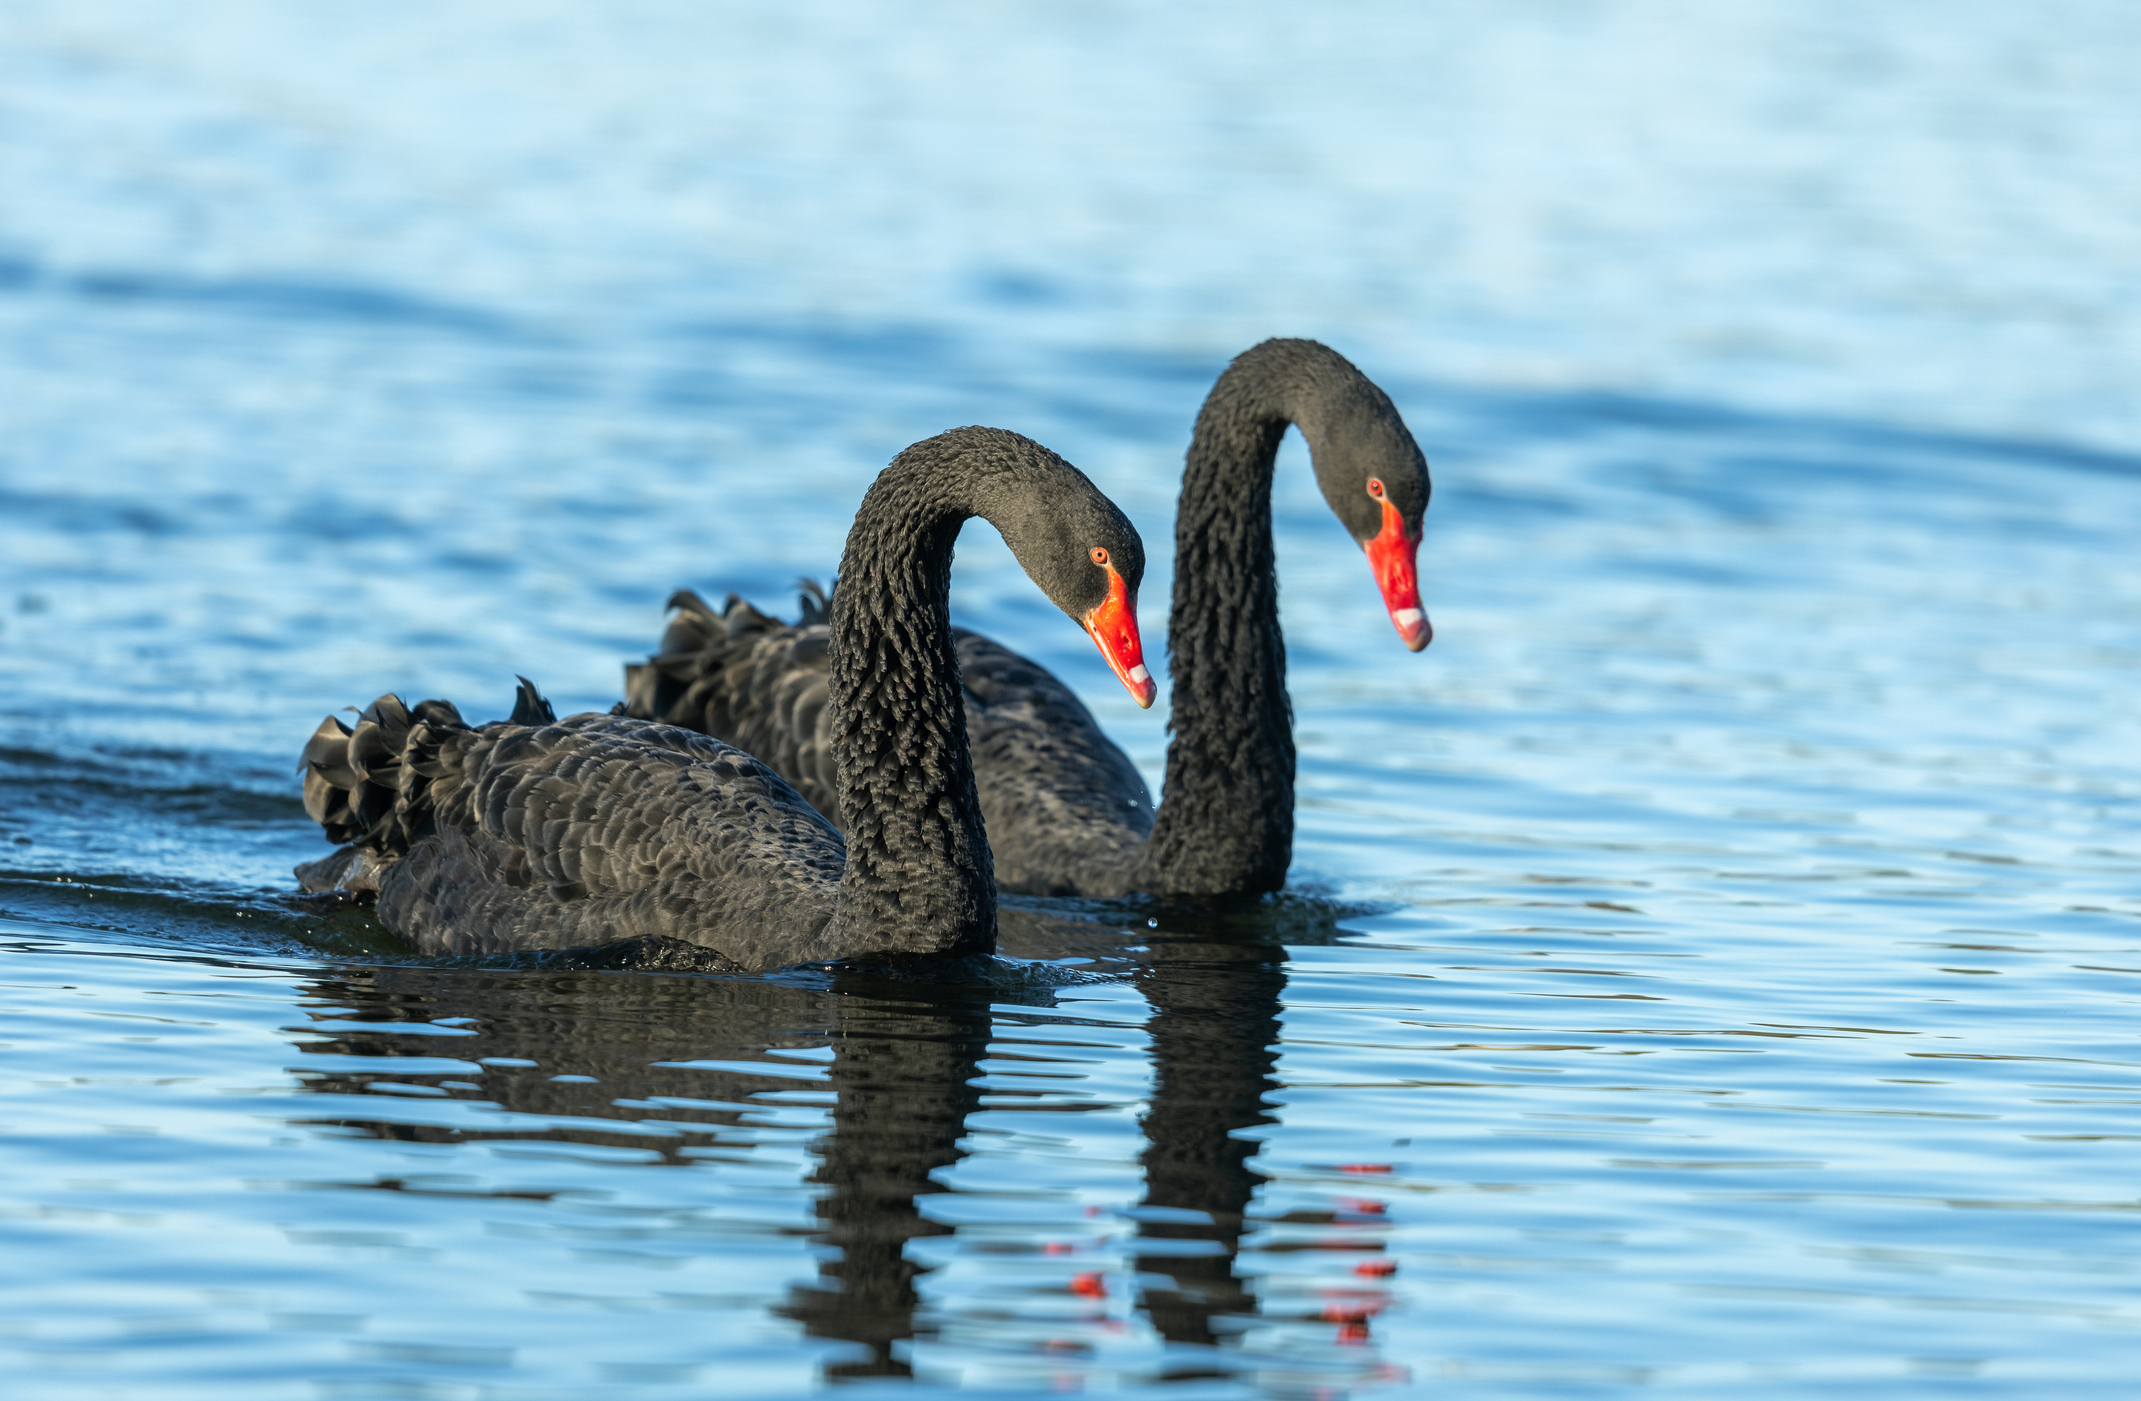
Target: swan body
539	833
1066	811
1064	806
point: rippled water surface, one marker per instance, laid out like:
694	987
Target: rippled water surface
1712	968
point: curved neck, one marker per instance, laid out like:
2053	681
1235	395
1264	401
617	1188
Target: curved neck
1226	816
918	878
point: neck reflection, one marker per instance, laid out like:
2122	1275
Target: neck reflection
903	1078
1215	1032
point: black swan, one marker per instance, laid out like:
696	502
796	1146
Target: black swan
1066	811
537	833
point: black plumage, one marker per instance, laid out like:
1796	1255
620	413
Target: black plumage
1057	793
539	833
1066	811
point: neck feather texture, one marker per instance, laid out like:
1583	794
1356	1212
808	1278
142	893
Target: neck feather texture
1226	817
918	878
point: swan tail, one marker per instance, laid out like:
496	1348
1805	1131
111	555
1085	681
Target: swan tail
529	707
814	601
374	787
687	681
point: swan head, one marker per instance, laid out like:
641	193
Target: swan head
1098	588
1374	477
1082	551
1112	624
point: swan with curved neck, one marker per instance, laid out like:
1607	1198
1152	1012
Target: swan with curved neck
1067	812
1226	816
538	833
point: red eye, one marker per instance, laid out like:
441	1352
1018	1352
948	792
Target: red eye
1375	487
1100	556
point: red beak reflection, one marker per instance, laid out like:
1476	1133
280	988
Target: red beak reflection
1391	555
1114	628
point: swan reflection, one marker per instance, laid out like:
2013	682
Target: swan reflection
716	1071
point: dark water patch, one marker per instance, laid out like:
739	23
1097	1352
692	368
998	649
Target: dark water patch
79	514
61	814
170	776
290	299
1297	915
196	914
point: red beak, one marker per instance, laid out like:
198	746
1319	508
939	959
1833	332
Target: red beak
1114	627
1392	555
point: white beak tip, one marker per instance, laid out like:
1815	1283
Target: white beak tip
1413	627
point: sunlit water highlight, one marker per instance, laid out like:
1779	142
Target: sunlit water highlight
1712	966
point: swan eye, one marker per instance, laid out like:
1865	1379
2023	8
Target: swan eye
1100	556
1375	487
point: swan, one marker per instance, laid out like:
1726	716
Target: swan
539	833
1066	810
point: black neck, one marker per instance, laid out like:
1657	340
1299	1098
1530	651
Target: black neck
1226	816
918	878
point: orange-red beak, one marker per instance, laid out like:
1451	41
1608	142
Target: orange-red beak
1114	627
1392	555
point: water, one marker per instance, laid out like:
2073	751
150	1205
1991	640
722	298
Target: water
1711	966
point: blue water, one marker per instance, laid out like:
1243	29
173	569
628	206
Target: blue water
1712	967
